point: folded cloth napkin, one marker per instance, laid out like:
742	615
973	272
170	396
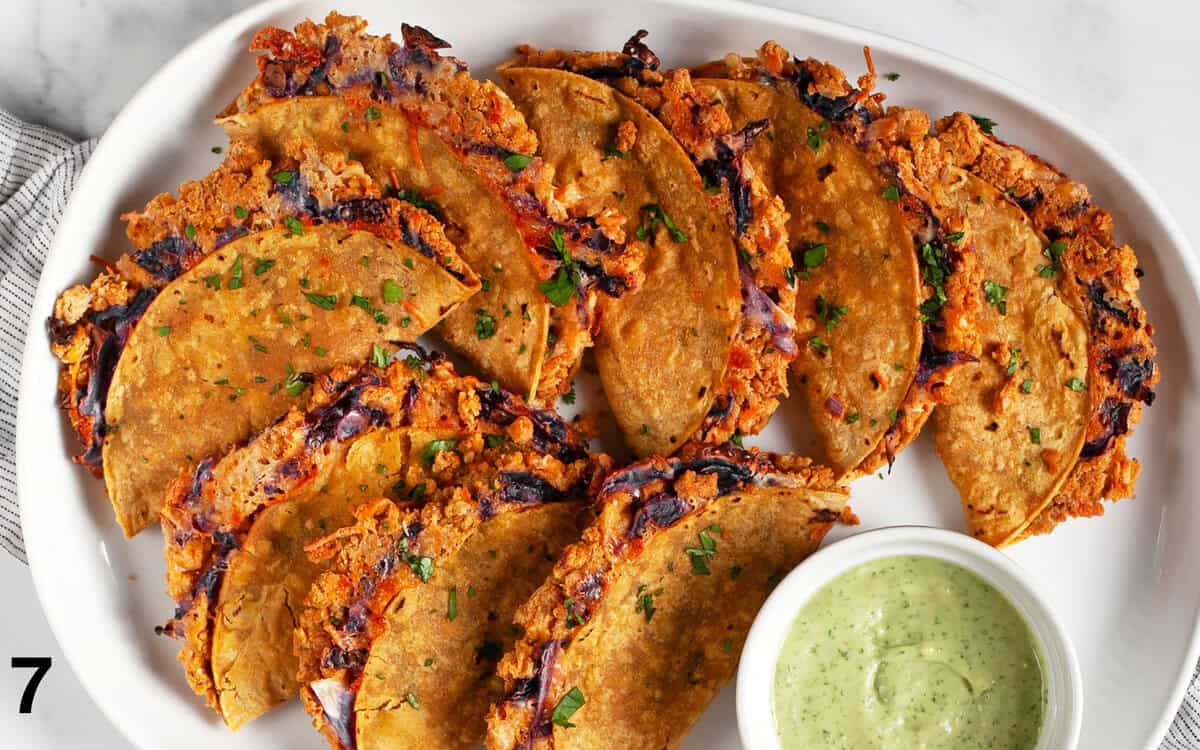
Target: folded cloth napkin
39	168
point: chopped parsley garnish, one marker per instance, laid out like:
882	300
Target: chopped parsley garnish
216	149
452	604
517	162
1035	435
822	227
190	231
645	602
611	151
892	76
295	382
240	212
891	193
360	301
935	268
707	548
372	113
736	439
414	197
235	274
1027	385
814	139
893	415
392	292
284	176
569	396
495	441
829	313
566	707
323	301
434	448
257	344
953	237
163	330
422	566
561	288
408	262
986	124
995	295
1076	384
852	417
485	325
262	265
485	285
379	356
413	362
1054	252
1013	354
573	618
295	228
816	343
815	255
727	646
652	214
411	699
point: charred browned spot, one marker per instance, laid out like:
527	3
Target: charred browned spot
824	171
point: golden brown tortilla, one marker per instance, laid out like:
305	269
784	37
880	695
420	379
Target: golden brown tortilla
662	350
226	347
857	296
1013	428
406	157
643	620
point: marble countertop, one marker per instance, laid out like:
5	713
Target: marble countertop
1126	68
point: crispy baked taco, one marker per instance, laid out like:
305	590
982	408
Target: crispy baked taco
607	140
236	339
236	527
642	621
91	322
437	137
399	641
882	263
1039	435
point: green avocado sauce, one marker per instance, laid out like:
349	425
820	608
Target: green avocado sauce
909	653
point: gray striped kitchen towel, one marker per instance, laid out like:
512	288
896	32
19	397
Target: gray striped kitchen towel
39	168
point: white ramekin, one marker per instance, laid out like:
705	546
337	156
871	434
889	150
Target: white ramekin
756	673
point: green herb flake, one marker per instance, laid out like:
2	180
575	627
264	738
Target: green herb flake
434	448
645	602
1054	252
569	396
323	301
814	139
736	439
986	124
891	193
422	566
815	255
852	417
1013	355
416	198
829	313
163	330
1027	385
995	295
485	325
892	76
379	356
190	231
652	215
1076	384
611	151
816	343
262	265
707	548
822	227
235	274
372	113
295	383
411	699
452	604
517	162
727	646
1035	435
392	292
284	176
258	346
566	707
